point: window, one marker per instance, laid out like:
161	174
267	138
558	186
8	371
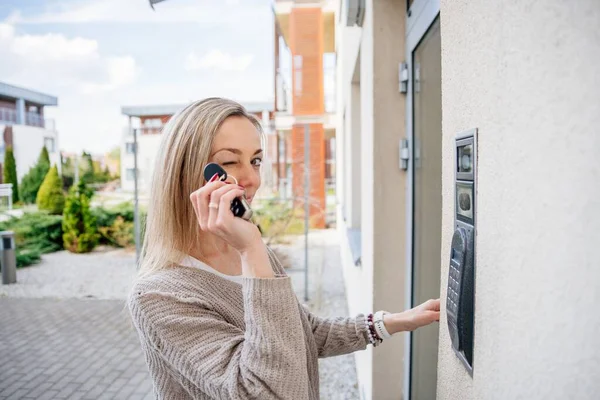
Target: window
129	148
49	144
130	174
352	195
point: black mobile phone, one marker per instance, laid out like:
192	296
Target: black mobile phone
239	205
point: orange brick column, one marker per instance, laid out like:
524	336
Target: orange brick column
317	171
306	45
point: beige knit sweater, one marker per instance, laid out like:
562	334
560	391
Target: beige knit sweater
206	337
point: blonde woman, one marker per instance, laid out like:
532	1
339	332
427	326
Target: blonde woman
215	312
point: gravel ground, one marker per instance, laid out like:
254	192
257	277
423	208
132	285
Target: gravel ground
108	273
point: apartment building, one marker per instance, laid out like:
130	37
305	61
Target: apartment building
304	66
25	128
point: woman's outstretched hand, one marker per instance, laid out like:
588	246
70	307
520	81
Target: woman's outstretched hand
409	320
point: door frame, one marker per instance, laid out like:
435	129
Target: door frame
419	17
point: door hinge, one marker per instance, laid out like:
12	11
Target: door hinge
404	154
403	77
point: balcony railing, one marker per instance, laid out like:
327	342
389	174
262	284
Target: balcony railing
33	119
284	95
150	130
9	116
284	90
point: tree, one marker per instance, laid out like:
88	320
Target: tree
87	168
79	225
10	173
67	172
50	197
44	157
115	156
31	182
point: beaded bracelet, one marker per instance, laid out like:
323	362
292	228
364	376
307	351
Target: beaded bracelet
374	338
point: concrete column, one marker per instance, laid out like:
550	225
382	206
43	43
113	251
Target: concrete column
21	112
383	184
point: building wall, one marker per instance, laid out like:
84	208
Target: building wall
28	142
306	45
526	75
148	146
374	51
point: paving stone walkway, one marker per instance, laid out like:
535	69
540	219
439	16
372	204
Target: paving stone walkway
69	349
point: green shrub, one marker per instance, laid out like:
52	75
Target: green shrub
106	216
10	173
67	182
276	218
120	233
79	225
35	234
28	257
31	182
116	224
50	197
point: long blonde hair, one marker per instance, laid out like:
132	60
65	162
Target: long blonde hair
171	227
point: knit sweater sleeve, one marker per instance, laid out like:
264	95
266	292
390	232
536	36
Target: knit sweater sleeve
333	336
267	360
338	335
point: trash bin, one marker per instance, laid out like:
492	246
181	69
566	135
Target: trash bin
8	258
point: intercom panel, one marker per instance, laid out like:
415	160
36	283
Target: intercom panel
460	299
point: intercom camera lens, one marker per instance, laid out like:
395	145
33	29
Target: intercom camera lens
465	162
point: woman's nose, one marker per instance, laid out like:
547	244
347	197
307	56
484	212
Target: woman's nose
248	177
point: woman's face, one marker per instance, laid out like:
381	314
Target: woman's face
237	148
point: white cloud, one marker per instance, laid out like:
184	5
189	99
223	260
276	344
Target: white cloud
121	71
52	47
92	81
206	12
218	60
52	59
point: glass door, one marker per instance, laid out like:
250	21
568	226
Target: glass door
426	204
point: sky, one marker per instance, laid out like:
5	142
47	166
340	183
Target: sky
96	56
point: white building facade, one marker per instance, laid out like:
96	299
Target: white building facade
412	77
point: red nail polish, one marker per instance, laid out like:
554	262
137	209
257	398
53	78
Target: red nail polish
214	178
